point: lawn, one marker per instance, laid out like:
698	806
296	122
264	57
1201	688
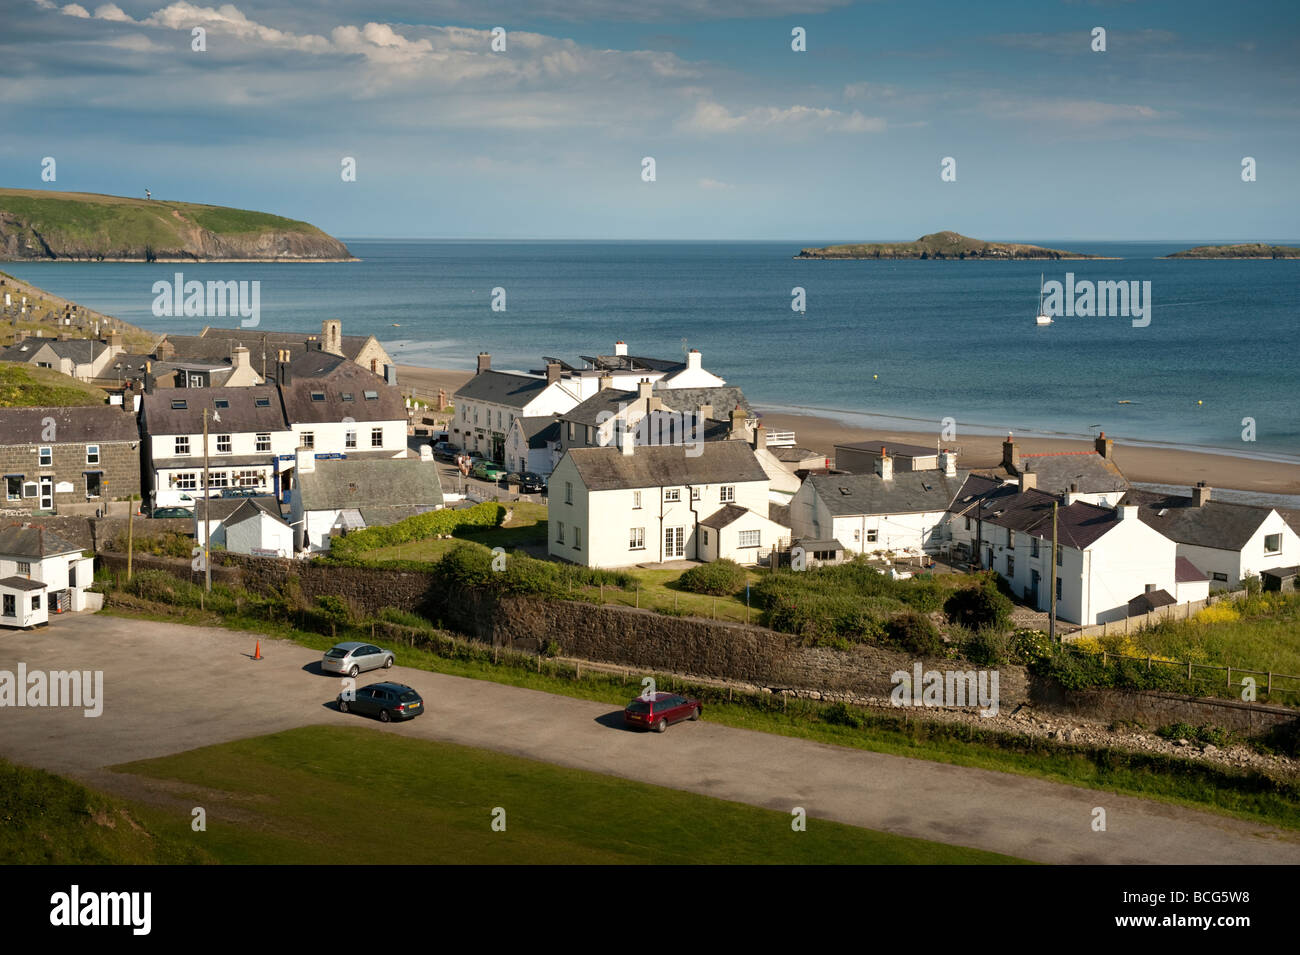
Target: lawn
296	797
1259	633
527	526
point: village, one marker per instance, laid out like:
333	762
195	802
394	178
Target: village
277	445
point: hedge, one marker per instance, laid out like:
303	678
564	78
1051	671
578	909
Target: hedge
417	528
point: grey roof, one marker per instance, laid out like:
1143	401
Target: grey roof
344	380
350	345
727	514
221	508
34	541
501	388
82	351
1056	471
1079	524
724	398
1185	572
1281	573
318	364
22	583
811	543
337	484
605	402
633	363
895	448
1218	524
780	513
538	430
908	492
251	508
794	455
243	413
1154	600
96	424
216	462
714	462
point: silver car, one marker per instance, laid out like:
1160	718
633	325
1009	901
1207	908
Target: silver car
353	657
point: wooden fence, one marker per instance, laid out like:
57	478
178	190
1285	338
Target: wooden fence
1182	611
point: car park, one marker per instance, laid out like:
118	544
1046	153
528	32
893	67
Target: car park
352	657
661	710
387	701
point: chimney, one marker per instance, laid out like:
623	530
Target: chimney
760	438
390	375
1126	512
240	357
149	383
552	372
737	423
165	350
1070	496
282	374
305	461
1010	456
1028	481
629	442
948	461
693	359
1200	494
331	333
620	348
313	344
644	389
706	412
115	341
605	381
484	362
65	336
1105	446
885	465
442	399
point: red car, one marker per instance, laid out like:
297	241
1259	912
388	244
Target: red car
658	711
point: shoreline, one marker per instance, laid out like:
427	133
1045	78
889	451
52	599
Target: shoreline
1141	464
290	261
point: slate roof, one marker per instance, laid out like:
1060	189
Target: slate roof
1145	603
250	508
908	492
895	448
221	508
1057	471
339	484
727	514
34	541
158	417
794	455
1079	525
724	398
22	583
604	402
1218	524
350	345
501	388
1281	573
633	363
538	430
82	351
343	378
97	424
391	514
713	462
1185	572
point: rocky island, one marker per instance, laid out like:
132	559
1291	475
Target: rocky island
940	245
82	226
1246	250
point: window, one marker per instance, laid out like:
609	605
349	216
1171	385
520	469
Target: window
872	536
309	439
1058	588
347	396
1273	544
263	442
262	401
187	480
92	454
636	500
183	445
1011	539
318	396
577	538
727	494
968	523
570	430
1222	578
376	437
94	481
1011	566
46	457
218	479
221	402
568	492
674	542
749	538
705	532
373	395
350	439
9	608
29	489
223	444
13	486
196	381
1059	554
559	532
1033	547
24	567
673	494
695	493
857	535
36	601
179	404
636	539
249	478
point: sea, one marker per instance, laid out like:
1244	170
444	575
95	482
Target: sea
906	344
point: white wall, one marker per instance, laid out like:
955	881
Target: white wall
330	437
265	533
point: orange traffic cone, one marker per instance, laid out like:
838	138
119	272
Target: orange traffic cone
257	653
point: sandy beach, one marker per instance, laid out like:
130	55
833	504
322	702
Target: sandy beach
1140	464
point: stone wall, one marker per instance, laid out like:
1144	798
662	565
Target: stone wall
119	463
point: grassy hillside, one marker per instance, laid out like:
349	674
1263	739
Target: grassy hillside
1247	250
25	386
939	245
40	224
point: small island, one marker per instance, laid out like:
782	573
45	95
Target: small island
941	245
44	225
1246	250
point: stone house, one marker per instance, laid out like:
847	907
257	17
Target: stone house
55	457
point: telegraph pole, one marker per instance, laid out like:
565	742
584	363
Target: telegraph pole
207	524
1051	632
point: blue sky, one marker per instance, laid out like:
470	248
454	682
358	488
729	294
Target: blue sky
751	140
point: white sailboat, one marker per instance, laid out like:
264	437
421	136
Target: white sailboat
1042	318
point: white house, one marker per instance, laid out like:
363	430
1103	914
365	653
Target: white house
612	506
336	496
1106	557
40	573
532	444
626	371
336	407
1225	541
899	512
80	358
488	404
250	444
254	529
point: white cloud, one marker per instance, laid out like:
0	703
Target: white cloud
714	184
76	10
111	11
712	117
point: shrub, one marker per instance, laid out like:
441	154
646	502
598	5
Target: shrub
916	634
420	527
986	647
841	714
466	565
404	618
1028	647
1252	584
334	609
979	608
720	578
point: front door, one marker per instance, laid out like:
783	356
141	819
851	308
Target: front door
674	542
1034	577
47	494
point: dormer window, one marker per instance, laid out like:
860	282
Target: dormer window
221	402
318	396
262	402
179	404
346	396
371	395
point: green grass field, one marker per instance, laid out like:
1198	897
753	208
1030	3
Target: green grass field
27	386
313	795
1260	632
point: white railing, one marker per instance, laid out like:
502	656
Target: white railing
780	439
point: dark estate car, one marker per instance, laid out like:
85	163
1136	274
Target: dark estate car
161	512
530	482
388	701
229	492
659	711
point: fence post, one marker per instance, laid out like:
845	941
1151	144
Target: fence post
1103	657
1189	669
1229	676
638	596
1148	662
1269	688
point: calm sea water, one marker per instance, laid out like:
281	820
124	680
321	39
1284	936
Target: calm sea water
919	341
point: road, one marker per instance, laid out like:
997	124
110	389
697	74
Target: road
169	688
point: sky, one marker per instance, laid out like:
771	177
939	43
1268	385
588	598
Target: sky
751	139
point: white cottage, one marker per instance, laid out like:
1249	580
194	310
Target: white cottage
40	573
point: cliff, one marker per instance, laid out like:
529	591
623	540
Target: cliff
939	245
84	226
1248	250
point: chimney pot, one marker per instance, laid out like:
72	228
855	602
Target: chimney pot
1010	455
1201	494
484	362
552	372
